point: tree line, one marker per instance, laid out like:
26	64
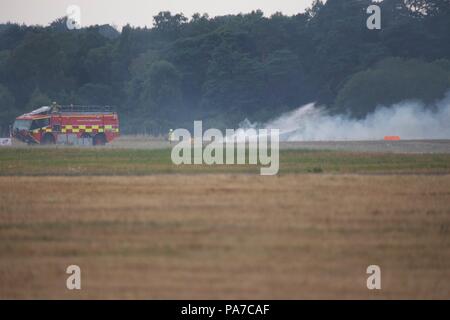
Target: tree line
224	69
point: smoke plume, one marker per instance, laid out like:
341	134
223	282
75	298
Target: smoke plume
408	120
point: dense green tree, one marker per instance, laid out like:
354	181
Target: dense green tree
391	81
227	68
37	100
169	25
7	109
96	94
162	89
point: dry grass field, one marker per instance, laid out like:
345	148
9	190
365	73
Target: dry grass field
225	236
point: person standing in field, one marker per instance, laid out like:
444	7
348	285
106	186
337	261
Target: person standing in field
170	136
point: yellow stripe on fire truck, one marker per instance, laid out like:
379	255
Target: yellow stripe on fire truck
80	128
88	128
44	129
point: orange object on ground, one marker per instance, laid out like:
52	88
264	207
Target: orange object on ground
392	138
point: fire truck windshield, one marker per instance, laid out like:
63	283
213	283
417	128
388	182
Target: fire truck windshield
22	125
39	123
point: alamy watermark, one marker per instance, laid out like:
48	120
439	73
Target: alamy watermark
374	20
73	281
212	147
374	280
73	21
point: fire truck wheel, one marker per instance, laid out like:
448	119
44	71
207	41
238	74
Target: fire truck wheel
48	139
99	140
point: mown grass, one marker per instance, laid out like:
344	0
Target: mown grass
102	161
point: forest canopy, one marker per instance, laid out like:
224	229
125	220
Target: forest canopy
224	69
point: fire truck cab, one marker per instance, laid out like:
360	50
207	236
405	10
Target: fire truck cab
76	125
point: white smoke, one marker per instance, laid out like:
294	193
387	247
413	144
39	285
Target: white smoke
408	120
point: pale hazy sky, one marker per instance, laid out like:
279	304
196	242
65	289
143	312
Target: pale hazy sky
136	12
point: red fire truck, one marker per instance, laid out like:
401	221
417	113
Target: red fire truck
85	125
